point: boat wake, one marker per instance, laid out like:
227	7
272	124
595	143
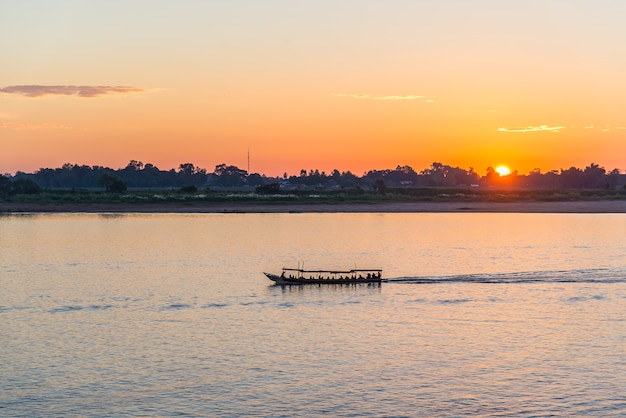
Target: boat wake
560	276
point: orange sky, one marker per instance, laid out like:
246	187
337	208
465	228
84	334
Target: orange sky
352	85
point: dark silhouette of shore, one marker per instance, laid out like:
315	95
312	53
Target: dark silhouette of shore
596	206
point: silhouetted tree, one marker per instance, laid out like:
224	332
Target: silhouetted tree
401	176
594	177
348	180
136	174
25	186
112	184
380	186
46	178
612	179
255	180
229	176
571	178
491	178
134	165
189	174
6	186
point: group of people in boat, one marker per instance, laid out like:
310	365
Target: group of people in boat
369	276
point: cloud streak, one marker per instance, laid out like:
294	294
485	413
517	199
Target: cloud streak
78	91
608	128
546	128
541	128
370	97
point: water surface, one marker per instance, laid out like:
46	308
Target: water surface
168	315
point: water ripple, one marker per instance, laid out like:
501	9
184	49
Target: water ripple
177	306
215	305
453	301
69	308
556	276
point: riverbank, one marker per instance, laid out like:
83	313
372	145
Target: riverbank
595	206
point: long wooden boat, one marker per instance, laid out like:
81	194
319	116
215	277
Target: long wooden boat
301	276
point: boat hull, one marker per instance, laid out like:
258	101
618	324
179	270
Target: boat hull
280	280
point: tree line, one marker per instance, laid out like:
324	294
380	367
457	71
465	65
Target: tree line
189	177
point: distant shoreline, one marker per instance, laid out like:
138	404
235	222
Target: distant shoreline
595	206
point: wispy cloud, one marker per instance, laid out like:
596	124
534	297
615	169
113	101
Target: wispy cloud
79	91
609	128
371	97
23	126
540	128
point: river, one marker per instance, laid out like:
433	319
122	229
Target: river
170	315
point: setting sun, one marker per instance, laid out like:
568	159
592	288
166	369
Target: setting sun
503	170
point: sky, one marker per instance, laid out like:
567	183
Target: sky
342	84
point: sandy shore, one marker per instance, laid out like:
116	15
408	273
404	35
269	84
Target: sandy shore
600	206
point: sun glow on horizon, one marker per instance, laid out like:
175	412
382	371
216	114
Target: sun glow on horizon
503	170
